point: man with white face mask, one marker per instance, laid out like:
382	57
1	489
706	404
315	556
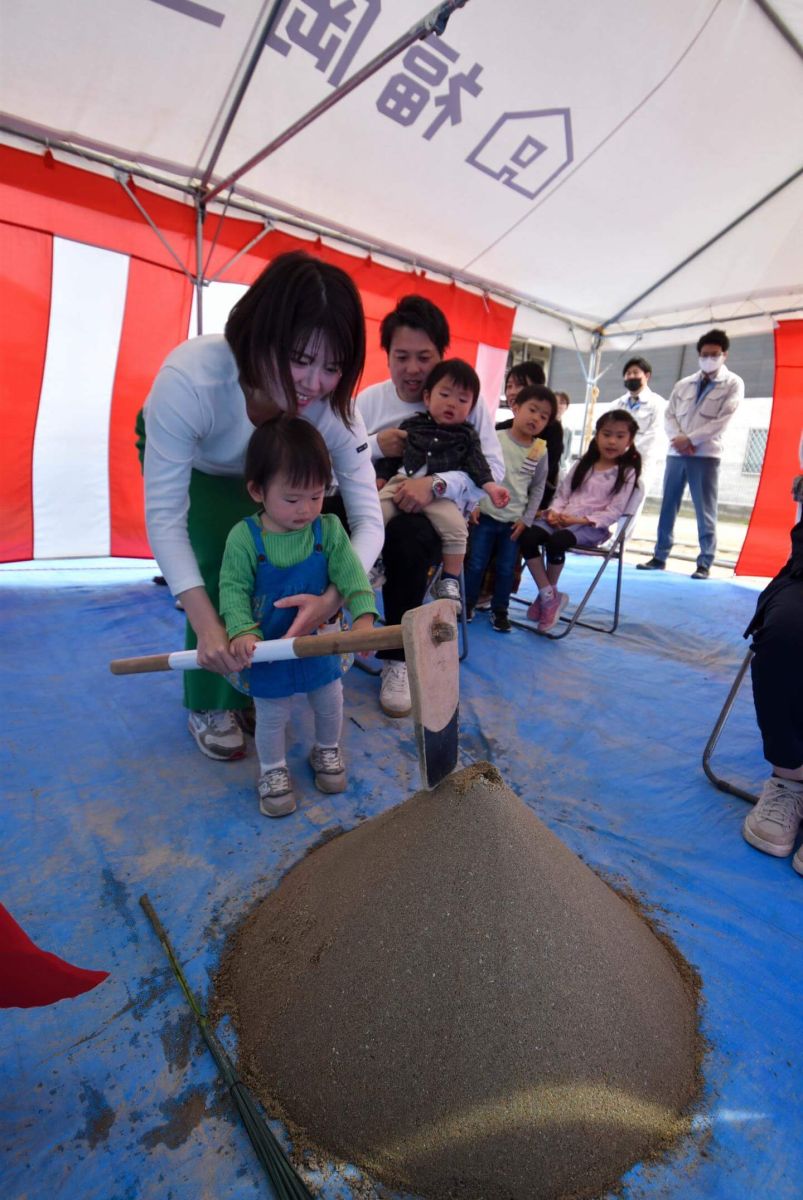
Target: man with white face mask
699	410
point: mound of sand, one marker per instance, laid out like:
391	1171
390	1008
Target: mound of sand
449	998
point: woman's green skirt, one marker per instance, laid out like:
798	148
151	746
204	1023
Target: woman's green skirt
217	503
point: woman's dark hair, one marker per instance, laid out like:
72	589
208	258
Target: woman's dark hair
295	299
630	458
288	446
415	312
538	392
641	363
529	374
563	396
461	373
714	337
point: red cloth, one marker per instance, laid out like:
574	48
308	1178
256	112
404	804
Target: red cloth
30	977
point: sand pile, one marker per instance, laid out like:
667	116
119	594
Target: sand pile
449	998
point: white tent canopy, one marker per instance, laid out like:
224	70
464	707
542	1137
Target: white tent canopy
567	157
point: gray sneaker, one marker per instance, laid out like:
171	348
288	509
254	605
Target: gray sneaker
217	733
275	791
447	589
773	824
330	771
797	861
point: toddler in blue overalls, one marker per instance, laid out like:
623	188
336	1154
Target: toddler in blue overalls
285	551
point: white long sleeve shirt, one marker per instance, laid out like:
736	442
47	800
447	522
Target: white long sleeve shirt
381	408
195	418
704	423
647	410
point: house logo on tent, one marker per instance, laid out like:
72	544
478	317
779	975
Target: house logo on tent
525	151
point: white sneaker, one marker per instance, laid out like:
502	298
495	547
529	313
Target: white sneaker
773	824
394	694
217	733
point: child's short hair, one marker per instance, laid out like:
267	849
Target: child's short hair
291	447
538	392
461	373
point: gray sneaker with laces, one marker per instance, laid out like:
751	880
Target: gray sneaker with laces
275	791
217	733
773	824
447	589
330	771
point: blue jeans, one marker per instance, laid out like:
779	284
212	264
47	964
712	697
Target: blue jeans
487	536
702	476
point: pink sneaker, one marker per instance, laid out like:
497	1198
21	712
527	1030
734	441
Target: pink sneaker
551	610
534	611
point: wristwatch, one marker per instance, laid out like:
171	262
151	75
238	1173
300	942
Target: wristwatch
438	487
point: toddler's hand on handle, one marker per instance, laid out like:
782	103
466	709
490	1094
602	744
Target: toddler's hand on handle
499	495
362	625
242	647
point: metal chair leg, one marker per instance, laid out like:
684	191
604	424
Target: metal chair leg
710	745
617	551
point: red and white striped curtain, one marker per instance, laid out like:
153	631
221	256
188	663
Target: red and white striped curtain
91	303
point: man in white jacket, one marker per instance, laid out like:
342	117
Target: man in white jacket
645	406
415	336
699	411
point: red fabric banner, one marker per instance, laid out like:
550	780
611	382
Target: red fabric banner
766	546
30	977
41	199
26	259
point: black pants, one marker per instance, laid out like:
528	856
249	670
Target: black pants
411	547
777	671
555	541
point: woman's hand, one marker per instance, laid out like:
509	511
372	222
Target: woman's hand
312	610
213	641
517	530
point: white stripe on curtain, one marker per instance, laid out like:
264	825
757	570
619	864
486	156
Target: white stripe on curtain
71	444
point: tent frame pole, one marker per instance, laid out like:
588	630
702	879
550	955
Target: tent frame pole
701	249
435	21
124	184
200	217
592	375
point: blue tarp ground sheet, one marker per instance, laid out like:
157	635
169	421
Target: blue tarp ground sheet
111	1095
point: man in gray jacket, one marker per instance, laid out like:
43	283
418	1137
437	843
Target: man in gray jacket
698	412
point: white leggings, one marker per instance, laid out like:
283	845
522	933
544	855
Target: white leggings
273	716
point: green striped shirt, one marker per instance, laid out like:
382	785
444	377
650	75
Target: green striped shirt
239	568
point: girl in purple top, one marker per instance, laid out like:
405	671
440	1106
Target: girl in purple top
588	502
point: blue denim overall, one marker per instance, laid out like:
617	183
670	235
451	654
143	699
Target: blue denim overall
311	576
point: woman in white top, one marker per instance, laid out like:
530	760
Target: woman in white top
295	342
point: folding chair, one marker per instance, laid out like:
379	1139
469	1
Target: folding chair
615	550
716	732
